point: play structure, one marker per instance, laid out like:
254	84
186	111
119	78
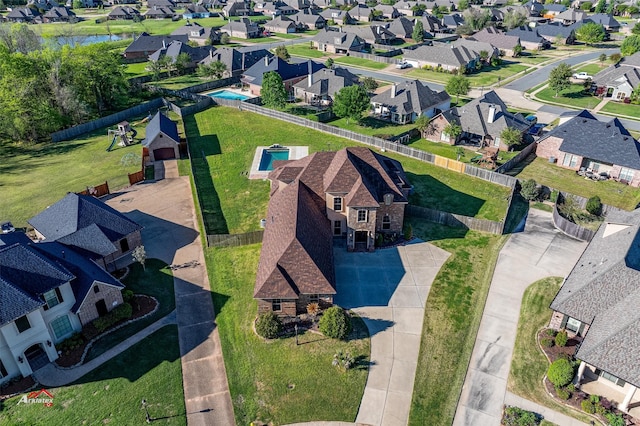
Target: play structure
124	132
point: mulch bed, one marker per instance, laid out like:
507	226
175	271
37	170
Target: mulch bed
555	352
142	305
18	386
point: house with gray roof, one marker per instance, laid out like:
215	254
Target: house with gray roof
197	33
337	42
161	138
529	38
237	8
570	16
482	121
432	24
354	192
361	13
291	73
338	16
402	28
534	7
445	56
475	47
280	24
59	14
554	9
606	20
388	11
236	59
196	11
620	80
320	87
405	102
244	28
159	12
494	37
177	48
452	21
23	14
556	32
584	142
123	13
145	44
598	303
308	21
372	34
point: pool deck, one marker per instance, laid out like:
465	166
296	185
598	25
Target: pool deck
245	94
295	153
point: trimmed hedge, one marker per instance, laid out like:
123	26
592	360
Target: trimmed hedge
268	325
119	313
335	323
560	372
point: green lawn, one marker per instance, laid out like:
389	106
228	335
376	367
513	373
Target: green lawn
304	50
287	36
360	62
372	126
156	281
529	365
486	77
33	177
111	394
610	192
137	69
574	97
181	81
279	382
591	69
452	317
619	108
530	58
450	151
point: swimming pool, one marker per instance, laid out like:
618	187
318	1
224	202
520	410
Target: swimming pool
271	155
227	94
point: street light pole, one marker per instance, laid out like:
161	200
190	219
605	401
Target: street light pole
147	417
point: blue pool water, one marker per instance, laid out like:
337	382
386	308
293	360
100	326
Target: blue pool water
226	94
268	157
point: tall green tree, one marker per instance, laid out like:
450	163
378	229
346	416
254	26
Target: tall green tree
453	130
600	6
458	85
282	53
630	45
477	19
559	78
182	62
19	38
273	92
511	137
369	83
513	19
591	33
463	5
350	102
418	32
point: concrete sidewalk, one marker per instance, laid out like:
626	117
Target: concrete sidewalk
537	252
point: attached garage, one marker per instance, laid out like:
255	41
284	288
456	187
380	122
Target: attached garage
162	139
164	154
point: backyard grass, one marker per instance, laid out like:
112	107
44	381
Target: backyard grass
286	36
610	192
573	97
277	381
360	62
111	394
488	76
529	365
452	317
619	108
181	81
372	126
451	151
304	50
227	138
137	69
156	281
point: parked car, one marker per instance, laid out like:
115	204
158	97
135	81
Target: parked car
7	227
531	119
581	76
402	65
536	129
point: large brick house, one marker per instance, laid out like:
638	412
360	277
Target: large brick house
405	102
584	142
598	302
353	193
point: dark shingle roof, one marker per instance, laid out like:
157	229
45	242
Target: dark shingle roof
411	97
237	59
15	302
441	54
340	39
148	43
285	69
497	38
627	70
328	81
527	34
160	123
59	12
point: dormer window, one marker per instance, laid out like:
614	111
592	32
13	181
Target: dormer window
52	298
337	204
388	199
363	215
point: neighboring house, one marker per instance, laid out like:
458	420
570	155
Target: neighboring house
586	143
432	24
570	16
337	42
475	47
447	57
42	5
494	3
403	28
176	48
598	302
619	81
244	28
236	8
291	73
361	13
354	192
236	59
145	44
534	7
506	43
404	102
126	13
388	11
90	227
195	11
23	15
322	85
197	33
300	5
339	16
529	38
555	32
280	24
59	14
452	22
308	21
49	291
482	121
160	3
373	34
405	8
162	139
607	21
553	9
158	12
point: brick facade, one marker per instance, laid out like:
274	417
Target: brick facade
112	297
395	211
354	226
435	128
133	240
288	307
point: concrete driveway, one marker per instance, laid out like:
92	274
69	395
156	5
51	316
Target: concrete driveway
388	289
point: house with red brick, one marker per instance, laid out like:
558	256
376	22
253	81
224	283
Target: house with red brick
585	143
354	193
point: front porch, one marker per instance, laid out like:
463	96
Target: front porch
600	384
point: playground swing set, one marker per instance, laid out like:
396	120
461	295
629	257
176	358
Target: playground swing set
125	133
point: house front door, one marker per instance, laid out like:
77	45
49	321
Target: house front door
101	306
37	357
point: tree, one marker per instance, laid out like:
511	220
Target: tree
621	9
19	38
419	9
268	325
453	130
140	256
591	33
329	63
600	6
418	32
602	58
351	102
517	51
224	38
559	78
586	6
335	322
513	19
423	124
273	92
484	55
636	28
511	137
630	45
460	151
611	8
477	19
560	372
282	53
182	62
458	85
529	190
218	68
77	4
463	5
594	205
369	83
632	10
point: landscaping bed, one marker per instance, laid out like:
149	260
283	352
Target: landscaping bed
16	385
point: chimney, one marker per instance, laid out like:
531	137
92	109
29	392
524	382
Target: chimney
492	114
243	54
164	45
309	80
266	61
393	91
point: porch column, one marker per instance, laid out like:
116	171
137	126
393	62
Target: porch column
627	399
580	374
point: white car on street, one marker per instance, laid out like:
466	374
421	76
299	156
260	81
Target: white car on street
581	76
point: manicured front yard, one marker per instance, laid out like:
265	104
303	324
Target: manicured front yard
486	77
112	393
304	50
529	365
591	69
610	192
360	62
277	381
531	58
452	317
619	108
574	97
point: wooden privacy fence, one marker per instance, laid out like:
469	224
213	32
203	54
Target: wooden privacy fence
96	191
136	177
518	158
571	229
455	220
234	240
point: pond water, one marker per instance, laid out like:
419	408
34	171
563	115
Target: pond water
83	40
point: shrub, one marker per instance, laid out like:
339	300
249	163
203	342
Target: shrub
515	416
561	339
547	342
268	325
551	332
343	360
563	393
595	399
615	419
594	205
554	196
408	232
587	406
530	190
571	387
70	343
335	323
560	372
119	313
128	296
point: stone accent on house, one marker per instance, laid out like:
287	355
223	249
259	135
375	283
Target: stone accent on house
287	307
434	131
324	300
395	211
133	240
550	147
354	226
556	320
112	297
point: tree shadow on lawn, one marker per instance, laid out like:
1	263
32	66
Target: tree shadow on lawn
45	152
432	193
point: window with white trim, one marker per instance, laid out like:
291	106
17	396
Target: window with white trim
363	215
337	204
610	377
61	326
626	174
52	298
570	160
23	324
386	222
444	137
